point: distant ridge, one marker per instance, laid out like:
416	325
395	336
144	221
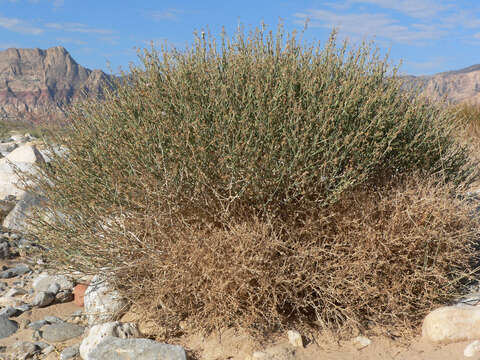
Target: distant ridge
456	86
35	81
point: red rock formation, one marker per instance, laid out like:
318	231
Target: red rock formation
33	81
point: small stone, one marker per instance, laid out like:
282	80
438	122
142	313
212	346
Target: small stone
259	355
4	250
43	281
70	352
23	350
37	325
24	324
43	299
64	296
295	338
9	311
53	288
16	291
79	294
361	342
41	345
53	320
472	349
61	332
18	270
23	307
7	327
48	350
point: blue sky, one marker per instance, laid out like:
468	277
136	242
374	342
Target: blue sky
429	36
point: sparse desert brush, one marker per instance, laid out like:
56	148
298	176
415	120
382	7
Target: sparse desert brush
467	121
224	184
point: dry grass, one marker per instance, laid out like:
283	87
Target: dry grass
467	120
384	258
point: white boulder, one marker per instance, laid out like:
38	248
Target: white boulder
452	324
102	302
98	333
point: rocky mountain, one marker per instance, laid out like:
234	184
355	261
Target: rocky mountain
35	81
456	86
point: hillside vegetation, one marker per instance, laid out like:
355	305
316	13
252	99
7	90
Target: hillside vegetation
260	183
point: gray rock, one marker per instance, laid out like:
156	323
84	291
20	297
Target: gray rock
98	333
113	348
53	319
61	332
4	250
37	325
23	350
43	281
23	308
41	345
16	291
54	288
7	327
64	296
48	350
18	270
70	352
9	311
17	219
43	299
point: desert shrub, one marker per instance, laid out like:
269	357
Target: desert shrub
220	181
467	121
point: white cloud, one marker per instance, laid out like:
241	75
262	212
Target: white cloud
413	8
66	40
19	26
78	28
169	14
430	66
372	24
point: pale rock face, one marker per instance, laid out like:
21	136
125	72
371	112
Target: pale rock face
138	349
294	338
25	154
43	282
472	349
17	218
98	333
102	303
22	158
457	86
452	324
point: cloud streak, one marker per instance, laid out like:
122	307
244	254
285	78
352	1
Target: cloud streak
19	26
78	28
169	14
371	24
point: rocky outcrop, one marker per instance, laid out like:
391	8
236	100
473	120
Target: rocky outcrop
35	81
457	86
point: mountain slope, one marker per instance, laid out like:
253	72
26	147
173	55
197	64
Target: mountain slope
34	81
456	86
